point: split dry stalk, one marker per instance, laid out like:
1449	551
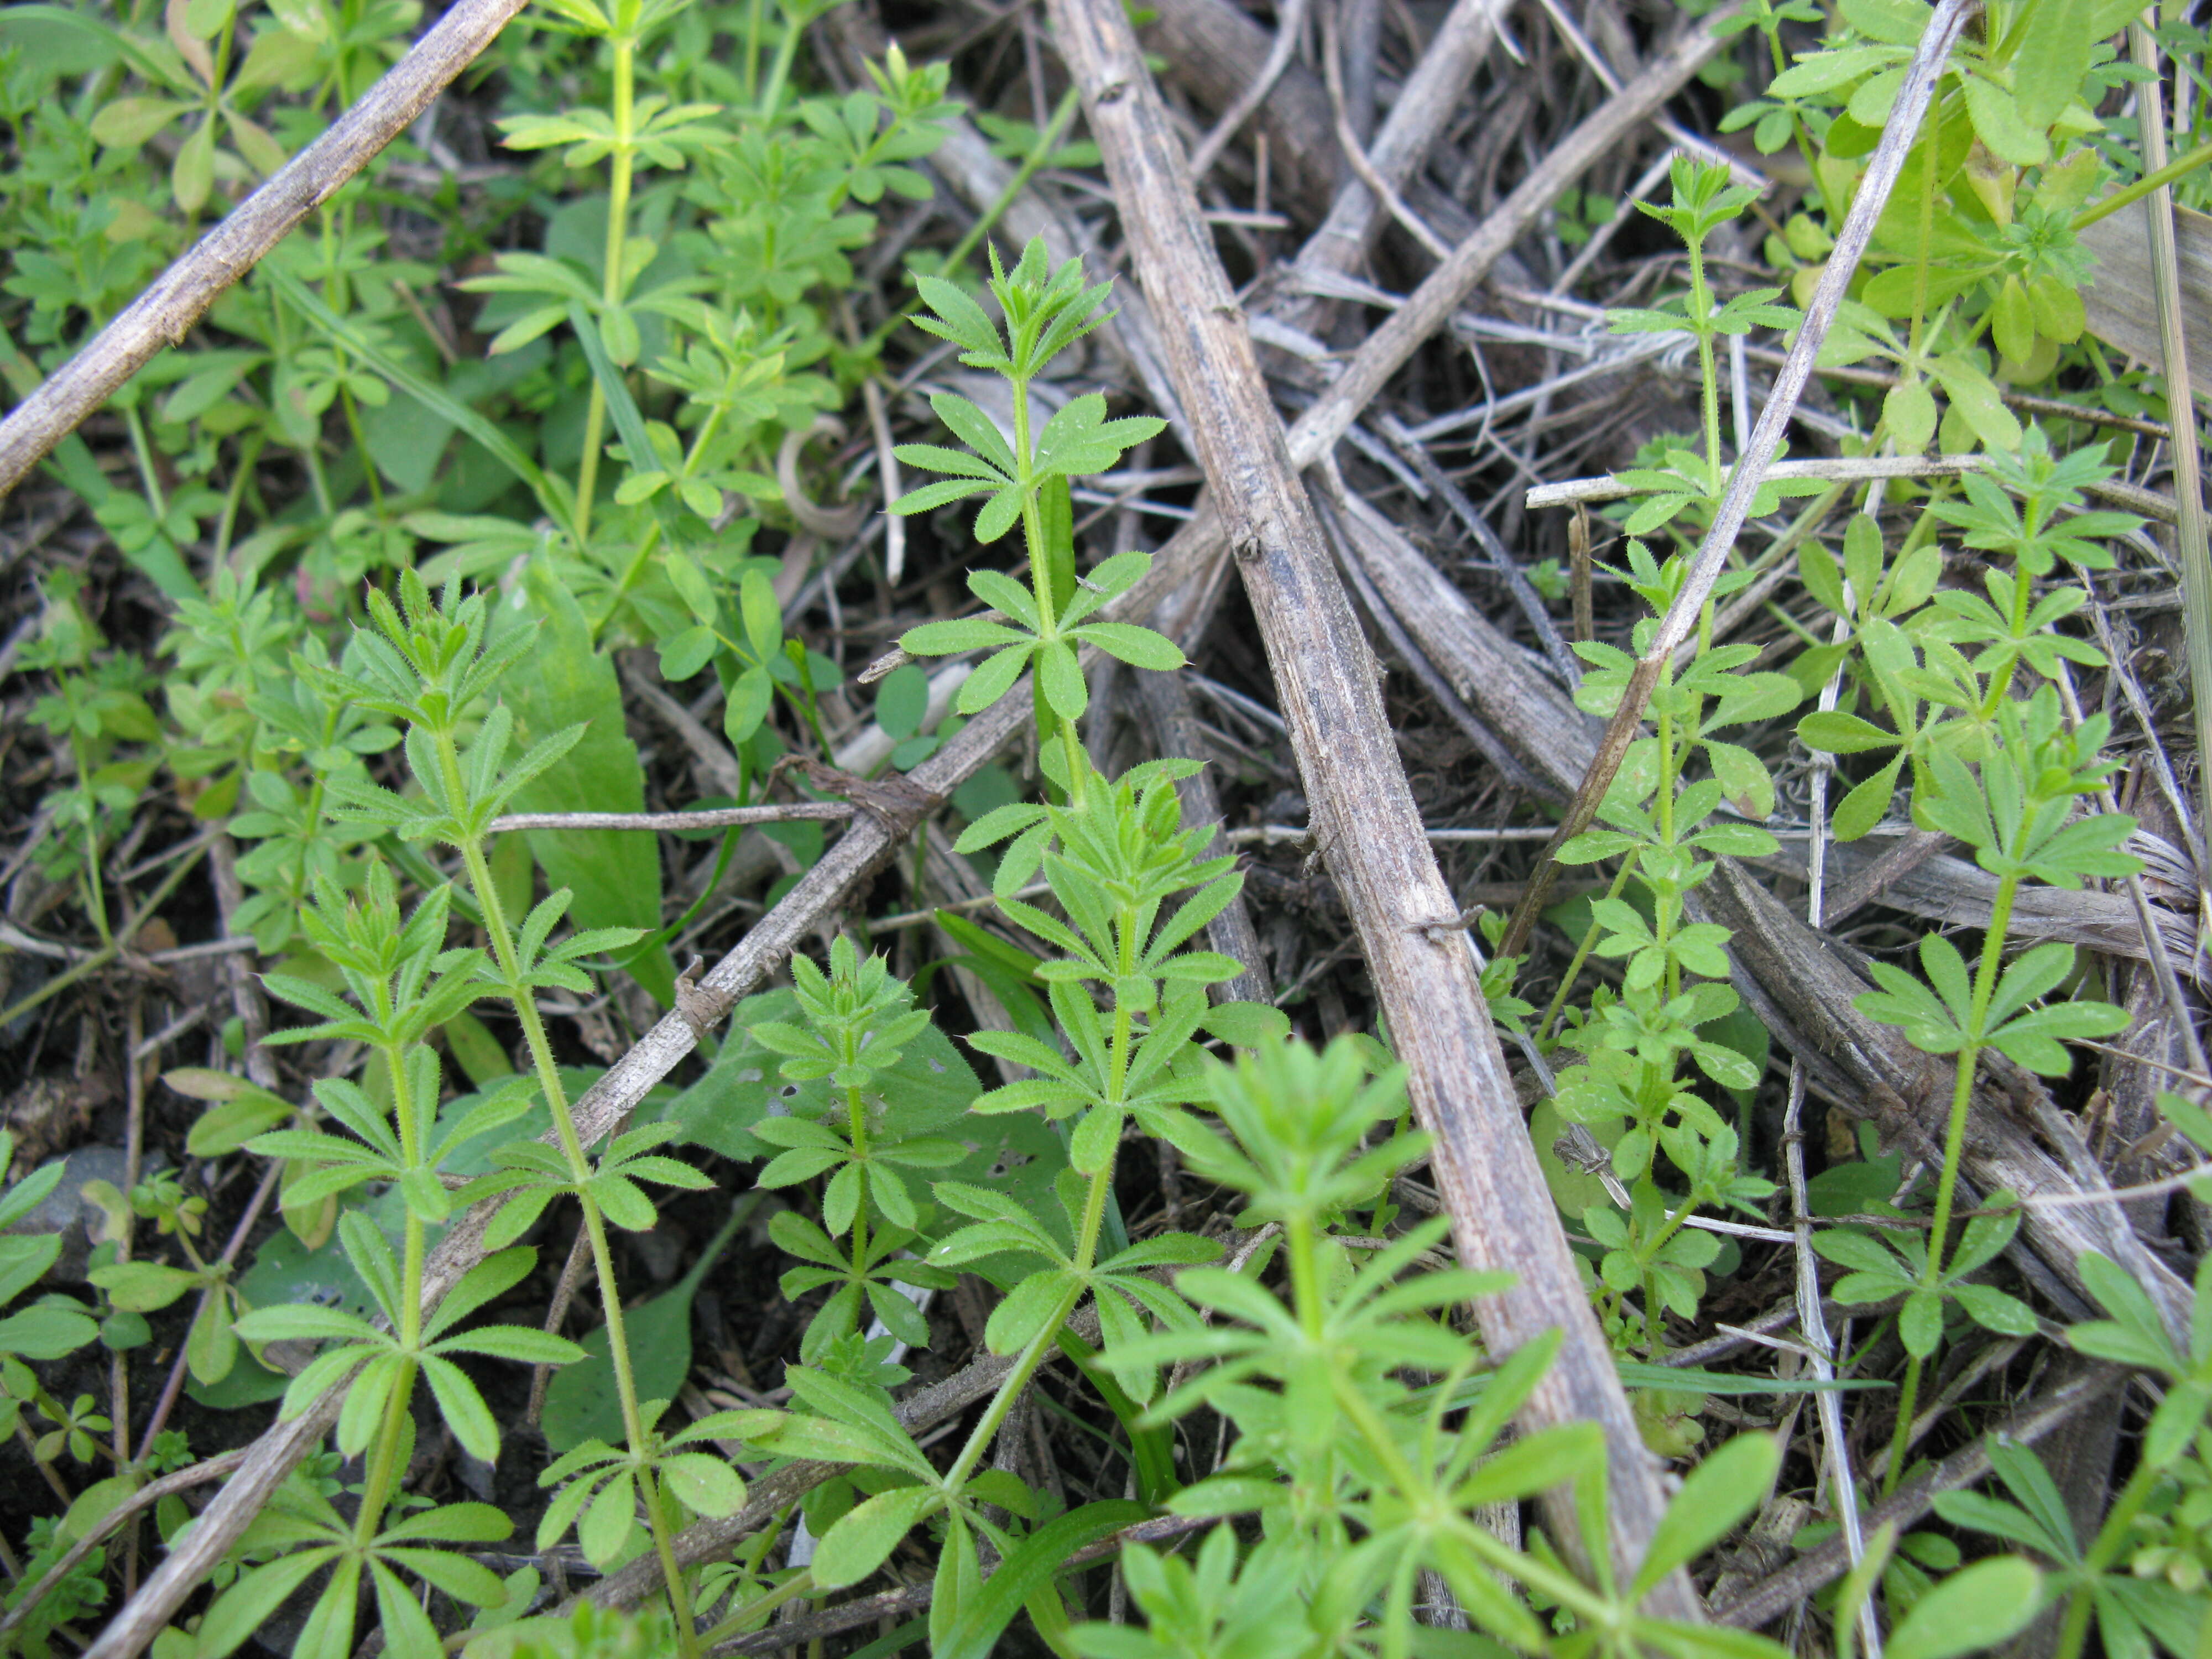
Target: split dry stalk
1362	811
1845	469
1290	24
1433	95
1197	553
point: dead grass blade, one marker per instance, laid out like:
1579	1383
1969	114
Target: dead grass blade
2188	486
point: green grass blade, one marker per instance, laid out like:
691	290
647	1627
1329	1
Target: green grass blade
552	495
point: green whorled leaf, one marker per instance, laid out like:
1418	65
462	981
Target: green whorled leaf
1140	647
1719	1492
1549	1457
23	1258
1090	1148
2036	1039
1750	697
1020	1160
2135	1335
1898	22
27	1194
930	497
1826	71
867	1534
1854	1250
1246	1024
958	319
1816	568
1982	1513
614	876
997	516
2012	321
1993	1310
609	1520
930	1086
230	1124
1593	845
1909	410
2029	977
1867	805
192	175
45	1331
902	701
127	122
978	430
1903	1001
691	585
819	1437
1061	679
211	1344
1974	396
143	1286
1872	99
704	1484
1920	1322
1027	1308
1008	598
254	1599
462	1408
940	639
936	458
1736	839
1999	123
1744	777
1982	1605
993	678
749	697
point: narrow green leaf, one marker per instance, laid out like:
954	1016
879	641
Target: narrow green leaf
553	495
975	1631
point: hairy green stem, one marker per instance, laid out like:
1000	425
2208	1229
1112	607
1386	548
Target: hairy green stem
1700	310
383	1469
1954	1137
787	53
856	1119
1929	170
1041	584
2104	1550
142	451
579	1170
1581	955
1087	1252
611	287
632	571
